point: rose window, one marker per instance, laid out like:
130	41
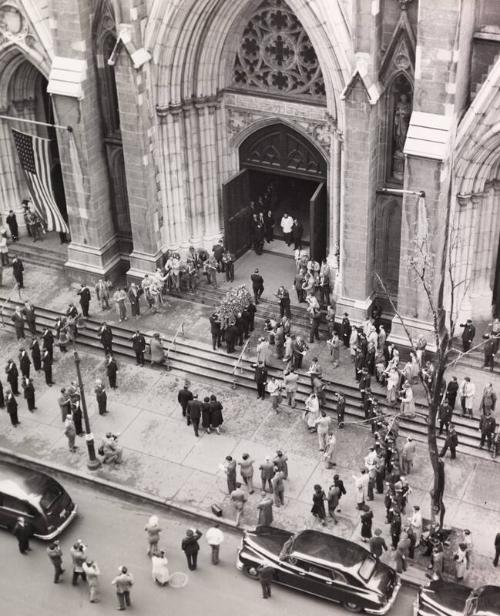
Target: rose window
276	56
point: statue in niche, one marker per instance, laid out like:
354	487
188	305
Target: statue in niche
402	115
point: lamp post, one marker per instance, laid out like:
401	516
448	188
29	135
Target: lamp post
93	462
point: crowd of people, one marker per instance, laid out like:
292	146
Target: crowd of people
386	465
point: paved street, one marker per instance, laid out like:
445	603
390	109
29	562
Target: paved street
113	531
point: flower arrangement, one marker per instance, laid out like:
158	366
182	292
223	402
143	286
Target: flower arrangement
235	301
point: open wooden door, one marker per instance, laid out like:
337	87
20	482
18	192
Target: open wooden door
236	208
318	220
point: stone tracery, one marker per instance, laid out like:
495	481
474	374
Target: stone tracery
276	55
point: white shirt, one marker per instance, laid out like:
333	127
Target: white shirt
287	224
214	536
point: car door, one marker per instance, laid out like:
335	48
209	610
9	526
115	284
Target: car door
11	508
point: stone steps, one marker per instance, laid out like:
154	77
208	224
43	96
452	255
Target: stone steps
192	357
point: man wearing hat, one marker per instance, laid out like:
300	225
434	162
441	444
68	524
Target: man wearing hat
191	547
257	285
11	221
467	335
261	379
377	544
345	329
23	531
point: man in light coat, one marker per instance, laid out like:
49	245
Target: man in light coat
92	572
408	455
123	583
467	394
323	426
215	537
291	382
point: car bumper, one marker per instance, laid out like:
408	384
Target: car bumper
60	528
389	604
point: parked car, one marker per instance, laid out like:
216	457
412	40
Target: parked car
41	500
322	565
441	598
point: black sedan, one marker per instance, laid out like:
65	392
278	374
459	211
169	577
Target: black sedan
440	598
323	565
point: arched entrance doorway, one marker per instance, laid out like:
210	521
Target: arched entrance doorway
281	162
25	97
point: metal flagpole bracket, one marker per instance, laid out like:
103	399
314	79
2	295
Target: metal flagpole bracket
14	119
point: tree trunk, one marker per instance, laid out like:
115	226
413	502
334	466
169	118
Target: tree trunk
437	490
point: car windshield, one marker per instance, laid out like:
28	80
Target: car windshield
50	495
367	568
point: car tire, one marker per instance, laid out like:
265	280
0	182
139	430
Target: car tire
352	606
251	571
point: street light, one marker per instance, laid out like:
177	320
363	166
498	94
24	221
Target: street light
93	462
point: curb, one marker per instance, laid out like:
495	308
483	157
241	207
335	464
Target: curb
408	579
35	464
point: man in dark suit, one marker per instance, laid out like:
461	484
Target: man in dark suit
497	550
183	397
101	397
364	383
193	412
48	342
106	337
133	295
297	232
11	221
266	574
11	405
24	362
467	335
12	376
261	379
257	285
29	316
23	532
29	393
452	391
139	346
17	270
85	297
111	370
47	367
345	329
36	357
215	330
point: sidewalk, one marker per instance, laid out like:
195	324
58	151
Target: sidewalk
163	458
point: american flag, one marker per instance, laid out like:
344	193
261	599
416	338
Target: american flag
34	156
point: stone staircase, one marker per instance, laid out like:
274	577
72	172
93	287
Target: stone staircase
197	359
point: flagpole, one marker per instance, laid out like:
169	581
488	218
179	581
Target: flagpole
14	119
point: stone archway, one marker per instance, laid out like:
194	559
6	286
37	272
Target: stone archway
277	156
24	94
279	148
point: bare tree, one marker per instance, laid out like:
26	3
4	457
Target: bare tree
444	324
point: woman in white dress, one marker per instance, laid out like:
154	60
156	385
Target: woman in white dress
392	386
311	412
160	570
414	368
407	401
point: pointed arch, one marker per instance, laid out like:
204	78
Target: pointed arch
195	43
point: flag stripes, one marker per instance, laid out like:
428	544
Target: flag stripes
34	156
